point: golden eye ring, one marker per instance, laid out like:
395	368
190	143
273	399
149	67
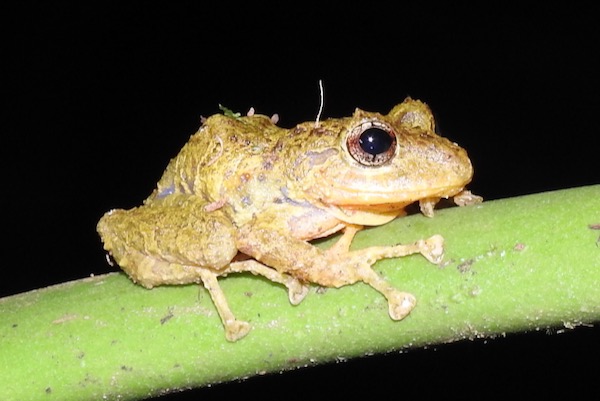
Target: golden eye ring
372	143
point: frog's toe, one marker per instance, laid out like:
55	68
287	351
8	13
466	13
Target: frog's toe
400	305
432	248
296	292
236	329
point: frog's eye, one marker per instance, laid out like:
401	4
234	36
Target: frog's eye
372	143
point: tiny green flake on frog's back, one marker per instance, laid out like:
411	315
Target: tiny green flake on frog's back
228	112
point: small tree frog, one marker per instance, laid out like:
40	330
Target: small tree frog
244	195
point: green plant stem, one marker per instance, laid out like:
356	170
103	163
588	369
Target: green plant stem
511	265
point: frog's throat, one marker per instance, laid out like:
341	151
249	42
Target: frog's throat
364	217
375	214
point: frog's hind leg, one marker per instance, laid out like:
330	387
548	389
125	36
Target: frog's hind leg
400	303
173	240
338	266
234	329
296	289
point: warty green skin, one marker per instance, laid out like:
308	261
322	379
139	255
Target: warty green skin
246	195
257	168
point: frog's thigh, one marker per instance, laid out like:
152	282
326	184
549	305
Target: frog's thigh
167	245
174	245
296	290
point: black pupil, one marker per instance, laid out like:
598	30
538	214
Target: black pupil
375	141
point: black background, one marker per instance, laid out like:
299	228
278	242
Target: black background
99	96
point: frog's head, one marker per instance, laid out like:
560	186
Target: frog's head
379	164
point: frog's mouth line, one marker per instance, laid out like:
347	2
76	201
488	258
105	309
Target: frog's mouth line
375	208
385	201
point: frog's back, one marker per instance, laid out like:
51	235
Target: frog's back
213	154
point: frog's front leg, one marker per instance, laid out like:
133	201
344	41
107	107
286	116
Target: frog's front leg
337	266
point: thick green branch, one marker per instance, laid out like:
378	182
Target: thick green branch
511	265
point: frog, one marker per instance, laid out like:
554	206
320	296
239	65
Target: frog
246	195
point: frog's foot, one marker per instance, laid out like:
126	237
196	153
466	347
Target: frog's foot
400	304
296	289
466	198
432	248
236	329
